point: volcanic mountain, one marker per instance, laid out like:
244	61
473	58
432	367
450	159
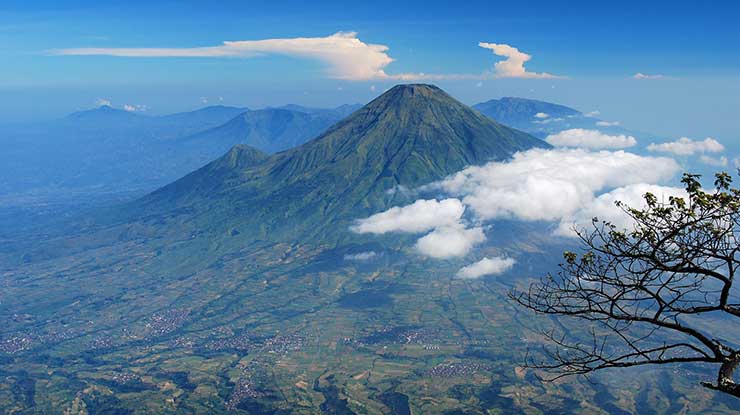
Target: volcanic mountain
409	136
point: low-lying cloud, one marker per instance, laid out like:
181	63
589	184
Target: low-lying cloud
604	206
564	186
550	184
591	139
687	147
448	237
486	266
361	256
450	241
420	216
568	187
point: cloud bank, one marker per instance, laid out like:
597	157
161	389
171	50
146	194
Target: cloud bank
593	139
486	266
565	186
604	208
568	187
550	184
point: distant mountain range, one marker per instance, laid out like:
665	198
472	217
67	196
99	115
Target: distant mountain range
107	118
111	150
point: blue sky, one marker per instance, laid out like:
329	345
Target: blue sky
596	48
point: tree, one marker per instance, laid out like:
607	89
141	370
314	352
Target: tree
660	292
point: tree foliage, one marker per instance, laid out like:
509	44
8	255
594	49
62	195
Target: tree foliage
659	292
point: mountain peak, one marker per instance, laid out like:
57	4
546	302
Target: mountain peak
405	92
416	88
241	156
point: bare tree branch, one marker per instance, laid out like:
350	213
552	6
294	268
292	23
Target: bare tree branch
644	288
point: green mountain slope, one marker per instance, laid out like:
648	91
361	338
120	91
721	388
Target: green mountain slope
219	172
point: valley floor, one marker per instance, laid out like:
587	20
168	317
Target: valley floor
275	328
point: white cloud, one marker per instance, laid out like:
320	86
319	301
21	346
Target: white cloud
641	75
486	266
549	120
686	147
420	216
592	114
550	184
714	161
135	108
450	241
361	256
449	237
607	123
541	115
102	102
513	65
604	208
346	56
593	139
